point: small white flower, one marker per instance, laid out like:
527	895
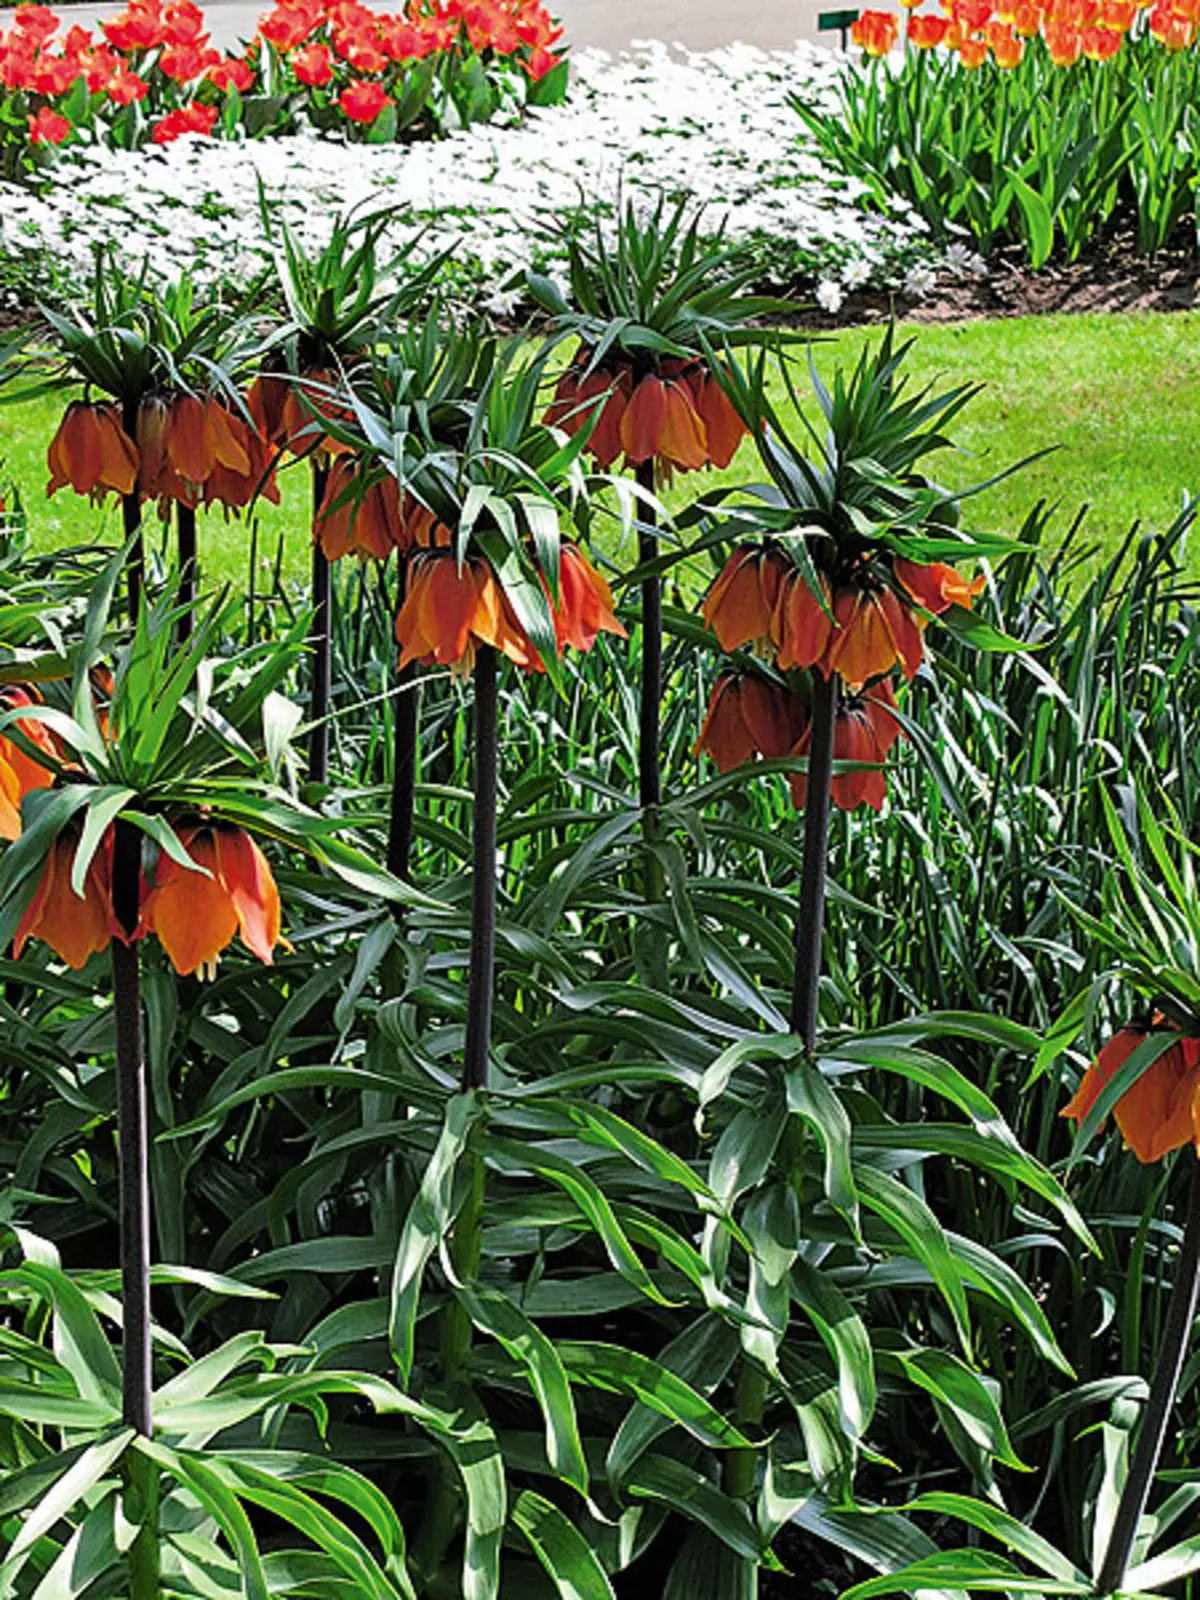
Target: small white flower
964	262
856	273
920	280
830	296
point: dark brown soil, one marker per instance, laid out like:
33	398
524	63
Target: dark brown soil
1114	278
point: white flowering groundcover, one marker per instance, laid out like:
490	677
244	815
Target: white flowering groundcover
717	126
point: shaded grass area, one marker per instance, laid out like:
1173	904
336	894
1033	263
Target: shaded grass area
1119	395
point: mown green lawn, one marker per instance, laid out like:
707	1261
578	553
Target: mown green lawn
1118	394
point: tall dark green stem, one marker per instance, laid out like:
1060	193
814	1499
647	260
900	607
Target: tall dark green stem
810	920
185	524
320	641
406	726
1172	1351
131	518
133	1140
483	903
132	1132
649	783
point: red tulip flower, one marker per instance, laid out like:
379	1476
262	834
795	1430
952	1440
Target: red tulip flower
363	102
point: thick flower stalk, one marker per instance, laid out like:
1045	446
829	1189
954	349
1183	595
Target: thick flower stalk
673	417
848	631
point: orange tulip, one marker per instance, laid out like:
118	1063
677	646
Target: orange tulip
741	604
92	452
1064	42
801	626
585	602
1100	44
875	32
925	33
874	631
195	916
74	926
936	587
1008	51
370	525
864	730
1027	19
749	716
973	53
20	773
449	610
1161	1112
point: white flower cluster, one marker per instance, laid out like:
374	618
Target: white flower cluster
717	126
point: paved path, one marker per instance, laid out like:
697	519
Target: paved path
600	24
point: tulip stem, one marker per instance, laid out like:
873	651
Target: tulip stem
406	728
185	522
131	518
483	904
810	919
1172	1351
320	640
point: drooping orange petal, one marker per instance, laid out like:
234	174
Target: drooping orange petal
724	735
227	438
448	601
246	875
192	916
643	420
189	446
723	428
75	456
904	629
800	627
152	421
118	454
10	802
739	606
767	715
74	926
681	439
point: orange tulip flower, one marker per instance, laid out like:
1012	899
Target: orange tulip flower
936	587
20	773
1064	42
195	916
449	610
92	452
741	604
74	926
801	626
749	716
1027	19
874	631
370	526
864	730
1100	44
585	602
973	53
1008	51
925	33
875	32
1161	1112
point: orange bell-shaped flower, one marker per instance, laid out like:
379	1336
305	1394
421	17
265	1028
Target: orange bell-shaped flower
874	631
741	605
195	916
575	400
723	428
74	926
750	716
449	610
1161	1112
661	422
20	773
369	524
585	602
801	623
92	452
863	730
936	587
